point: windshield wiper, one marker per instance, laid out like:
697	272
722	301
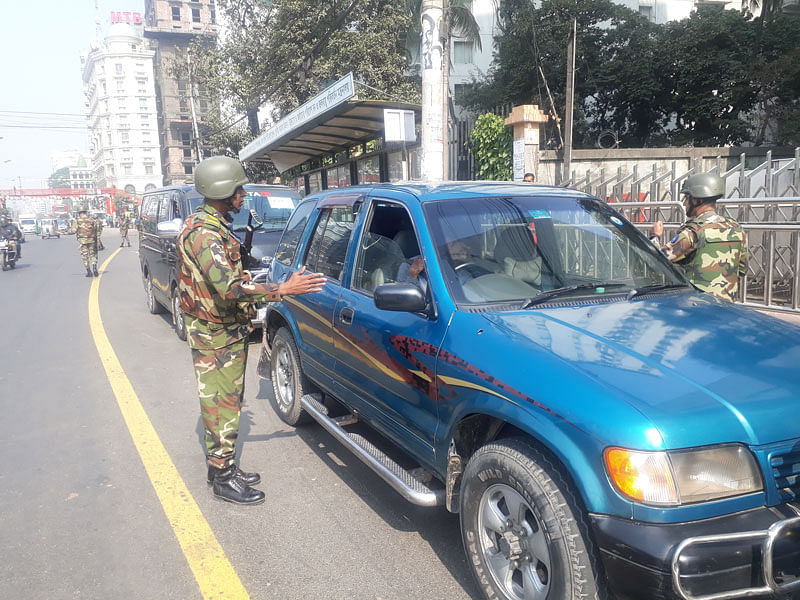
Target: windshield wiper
655	287
550	294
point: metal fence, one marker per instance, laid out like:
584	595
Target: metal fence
771	178
773	239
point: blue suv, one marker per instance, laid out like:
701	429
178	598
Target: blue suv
601	426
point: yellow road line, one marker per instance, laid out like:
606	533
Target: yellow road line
212	569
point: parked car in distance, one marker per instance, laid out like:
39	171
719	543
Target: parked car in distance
162	215
49	228
603	428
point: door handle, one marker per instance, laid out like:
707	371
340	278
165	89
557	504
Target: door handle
346	315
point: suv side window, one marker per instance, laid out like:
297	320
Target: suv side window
294	230
389	249
164	211
149	211
328	247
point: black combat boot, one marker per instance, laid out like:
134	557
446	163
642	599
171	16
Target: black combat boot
229	488
94	271
245	478
88	272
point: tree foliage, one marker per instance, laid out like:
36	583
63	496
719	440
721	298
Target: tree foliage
284	53
717	77
491	145
59	178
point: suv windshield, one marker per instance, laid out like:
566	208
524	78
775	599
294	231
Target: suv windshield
507	249
274	204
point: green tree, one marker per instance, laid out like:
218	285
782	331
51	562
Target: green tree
59	178
491	145
710	73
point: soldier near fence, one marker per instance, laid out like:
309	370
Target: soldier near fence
217	297
124	224
712	249
86	232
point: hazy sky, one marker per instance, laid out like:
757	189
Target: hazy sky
40	46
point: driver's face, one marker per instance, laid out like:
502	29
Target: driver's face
459	251
238	200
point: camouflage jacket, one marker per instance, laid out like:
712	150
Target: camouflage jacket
713	253
86	230
215	292
124	221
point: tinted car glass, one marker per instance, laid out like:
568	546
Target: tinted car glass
291	235
273	205
329	242
505	249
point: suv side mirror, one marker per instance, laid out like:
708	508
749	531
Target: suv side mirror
402	297
169	228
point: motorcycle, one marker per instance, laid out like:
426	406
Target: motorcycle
8	253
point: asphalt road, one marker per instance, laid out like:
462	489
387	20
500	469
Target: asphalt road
80	517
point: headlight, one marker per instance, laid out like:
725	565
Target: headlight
683	476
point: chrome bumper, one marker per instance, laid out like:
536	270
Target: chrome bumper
769	538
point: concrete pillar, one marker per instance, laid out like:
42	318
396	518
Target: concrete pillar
433	122
526	121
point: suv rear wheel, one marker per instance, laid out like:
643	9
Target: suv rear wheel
152	304
177	314
525	534
288	382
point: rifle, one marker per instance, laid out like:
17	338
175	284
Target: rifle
248	236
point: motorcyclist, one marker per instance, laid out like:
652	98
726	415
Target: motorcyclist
10	231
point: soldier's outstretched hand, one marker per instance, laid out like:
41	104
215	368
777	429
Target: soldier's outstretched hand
302	283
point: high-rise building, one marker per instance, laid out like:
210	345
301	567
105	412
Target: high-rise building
121	111
172	26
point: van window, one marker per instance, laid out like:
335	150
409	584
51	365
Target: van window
287	247
150	210
328	246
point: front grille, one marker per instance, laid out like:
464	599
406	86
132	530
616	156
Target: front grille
786	473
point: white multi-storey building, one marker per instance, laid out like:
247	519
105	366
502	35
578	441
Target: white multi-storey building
121	111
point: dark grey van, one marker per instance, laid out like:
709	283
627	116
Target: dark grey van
162	215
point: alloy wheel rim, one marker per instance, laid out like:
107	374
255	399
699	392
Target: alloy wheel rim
284	377
177	313
514	544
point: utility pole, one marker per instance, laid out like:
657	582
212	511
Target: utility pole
195	129
570	100
433	122
445	36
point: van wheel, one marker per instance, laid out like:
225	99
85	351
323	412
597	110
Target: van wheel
289	384
177	315
524	532
152	304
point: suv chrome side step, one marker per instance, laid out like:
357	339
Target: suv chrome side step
396	476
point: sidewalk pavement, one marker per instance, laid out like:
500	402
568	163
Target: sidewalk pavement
793	318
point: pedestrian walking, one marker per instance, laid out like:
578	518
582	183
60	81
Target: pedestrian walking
86	232
712	249
217	298
124	224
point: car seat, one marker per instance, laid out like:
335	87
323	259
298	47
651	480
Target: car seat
518	254
382	259
407	242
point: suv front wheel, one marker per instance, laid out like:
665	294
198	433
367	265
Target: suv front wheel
524	532
288	382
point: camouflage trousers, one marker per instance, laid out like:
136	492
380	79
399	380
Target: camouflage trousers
89	254
123	232
220	385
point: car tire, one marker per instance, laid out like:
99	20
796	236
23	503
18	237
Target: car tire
177	314
152	304
524	531
289	384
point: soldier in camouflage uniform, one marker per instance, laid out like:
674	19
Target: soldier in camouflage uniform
216	298
124	224
99	220
711	249
86	233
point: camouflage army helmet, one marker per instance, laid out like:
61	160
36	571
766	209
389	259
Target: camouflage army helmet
704	186
217	178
